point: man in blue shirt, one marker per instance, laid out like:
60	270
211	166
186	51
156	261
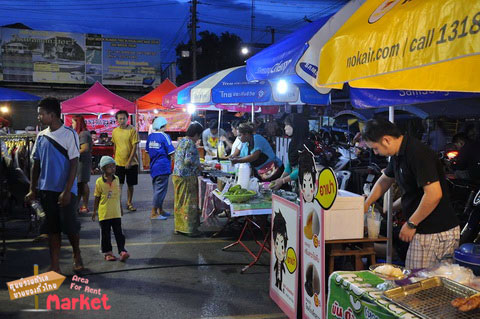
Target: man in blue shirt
257	151
159	148
53	180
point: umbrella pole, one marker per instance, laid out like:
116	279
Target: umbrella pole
218	134
391	118
253	111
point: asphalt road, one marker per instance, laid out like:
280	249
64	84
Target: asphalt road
167	276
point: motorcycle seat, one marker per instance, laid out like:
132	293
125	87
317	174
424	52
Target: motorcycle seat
473	184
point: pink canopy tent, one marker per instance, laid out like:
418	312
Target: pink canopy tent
97	100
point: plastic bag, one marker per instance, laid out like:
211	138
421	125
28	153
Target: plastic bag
454	272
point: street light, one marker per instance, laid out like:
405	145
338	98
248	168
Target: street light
245	51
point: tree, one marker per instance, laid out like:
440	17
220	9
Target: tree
213	54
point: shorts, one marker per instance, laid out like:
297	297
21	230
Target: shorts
131	174
427	250
84	170
58	219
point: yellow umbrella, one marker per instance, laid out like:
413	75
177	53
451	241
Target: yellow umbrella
406	44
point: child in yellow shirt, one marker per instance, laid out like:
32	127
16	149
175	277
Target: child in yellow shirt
107	207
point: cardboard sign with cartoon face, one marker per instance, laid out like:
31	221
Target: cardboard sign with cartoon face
284	257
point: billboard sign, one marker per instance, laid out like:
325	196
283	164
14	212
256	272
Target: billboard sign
75	58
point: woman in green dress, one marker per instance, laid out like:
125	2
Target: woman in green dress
185	182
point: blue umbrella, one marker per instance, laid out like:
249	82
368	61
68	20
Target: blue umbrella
230	86
14	95
375	98
296	56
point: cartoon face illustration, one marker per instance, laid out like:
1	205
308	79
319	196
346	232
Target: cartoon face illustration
309	187
280	236
280	249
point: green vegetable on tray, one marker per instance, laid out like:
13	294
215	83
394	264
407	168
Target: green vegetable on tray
237	194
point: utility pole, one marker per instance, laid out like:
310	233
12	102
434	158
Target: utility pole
252	25
194	39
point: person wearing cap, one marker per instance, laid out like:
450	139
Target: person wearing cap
159	148
108	209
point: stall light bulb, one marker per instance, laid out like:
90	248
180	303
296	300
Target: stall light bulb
191	108
282	86
155	111
245	50
4	109
112	112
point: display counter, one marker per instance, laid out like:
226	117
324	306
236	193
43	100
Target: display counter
353	294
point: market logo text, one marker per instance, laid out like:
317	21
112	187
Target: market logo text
82	302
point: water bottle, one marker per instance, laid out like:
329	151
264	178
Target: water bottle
37	207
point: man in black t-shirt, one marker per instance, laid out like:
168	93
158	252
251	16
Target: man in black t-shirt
432	227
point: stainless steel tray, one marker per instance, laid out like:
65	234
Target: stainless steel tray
431	298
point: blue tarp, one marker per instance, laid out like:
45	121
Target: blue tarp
14	95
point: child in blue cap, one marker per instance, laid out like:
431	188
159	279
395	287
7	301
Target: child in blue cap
107	207
159	148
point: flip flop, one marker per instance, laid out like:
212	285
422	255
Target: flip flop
131	208
78	266
110	257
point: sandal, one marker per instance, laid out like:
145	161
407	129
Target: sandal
124	256
78	266
110	257
131	208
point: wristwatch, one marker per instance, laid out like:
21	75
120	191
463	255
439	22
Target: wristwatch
411	225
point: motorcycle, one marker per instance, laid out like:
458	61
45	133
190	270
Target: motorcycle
470	233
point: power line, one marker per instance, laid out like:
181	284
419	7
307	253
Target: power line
172	43
257	8
241	27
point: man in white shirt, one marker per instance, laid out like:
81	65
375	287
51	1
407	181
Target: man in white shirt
210	138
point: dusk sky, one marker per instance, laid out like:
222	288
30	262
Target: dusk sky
166	20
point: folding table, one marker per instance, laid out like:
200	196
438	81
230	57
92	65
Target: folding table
255	207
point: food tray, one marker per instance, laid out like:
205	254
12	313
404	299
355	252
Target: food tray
241	198
431	298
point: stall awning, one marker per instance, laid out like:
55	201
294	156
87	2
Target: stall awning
97	99
153	100
16	96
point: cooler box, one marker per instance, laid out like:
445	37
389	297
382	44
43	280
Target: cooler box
468	255
345	219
